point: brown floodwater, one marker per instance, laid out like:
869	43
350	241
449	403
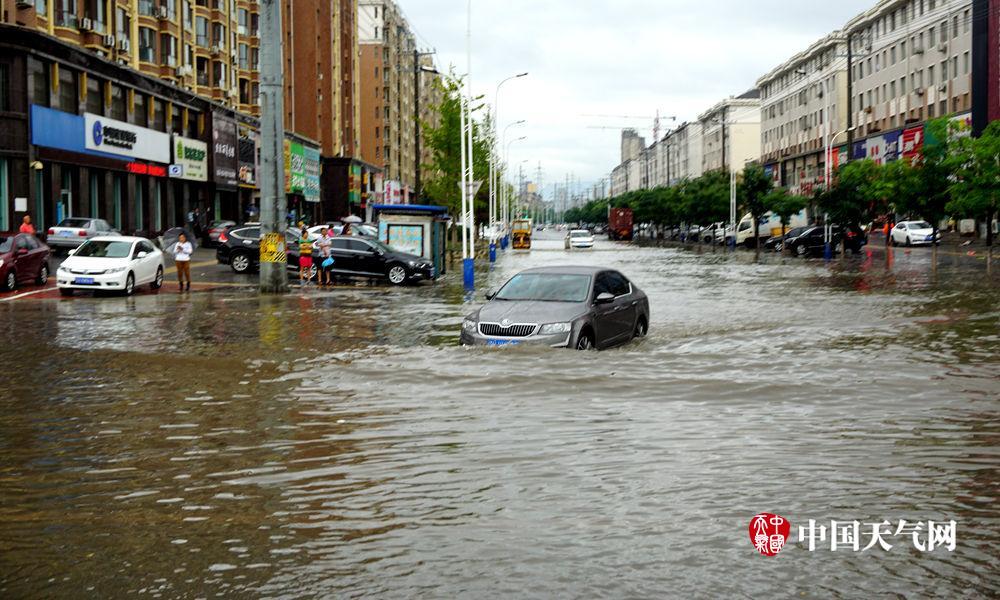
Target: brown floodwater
334	444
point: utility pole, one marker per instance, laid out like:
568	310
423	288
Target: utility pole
273	204
850	97
416	128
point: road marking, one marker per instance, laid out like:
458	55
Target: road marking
25	294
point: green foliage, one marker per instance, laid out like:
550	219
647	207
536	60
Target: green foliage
595	211
848	201
441	185
753	189
976	186
785	205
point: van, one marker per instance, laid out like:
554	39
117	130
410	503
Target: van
770	225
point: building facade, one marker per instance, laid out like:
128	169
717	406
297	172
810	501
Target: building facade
803	109
993	76
731	133
683	153
392	66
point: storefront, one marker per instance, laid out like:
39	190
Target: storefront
225	168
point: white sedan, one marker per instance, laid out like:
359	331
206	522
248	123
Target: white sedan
913	233
579	238
113	264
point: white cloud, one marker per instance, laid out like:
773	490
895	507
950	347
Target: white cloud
615	57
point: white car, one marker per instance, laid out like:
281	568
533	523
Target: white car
913	233
579	238
111	263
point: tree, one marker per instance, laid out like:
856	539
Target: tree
976	164
783	204
754	186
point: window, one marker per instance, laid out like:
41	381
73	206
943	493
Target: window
201	31
966	19
892	54
932	40
954	27
218	35
188	15
146	8
159	116
244	56
147	45
95	96
118	103
69	99
254	93
4	193
123	25
965	63
254	24
39	82
168	50
219	69
141	116
94	10
244	86
243	18
4	92
65	13
254	59
171	6
201	64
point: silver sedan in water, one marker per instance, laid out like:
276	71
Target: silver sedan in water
562	307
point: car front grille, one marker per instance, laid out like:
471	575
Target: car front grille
518	330
86	272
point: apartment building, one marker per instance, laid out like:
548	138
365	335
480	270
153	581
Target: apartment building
993	62
913	63
391	63
683	150
803	108
731	133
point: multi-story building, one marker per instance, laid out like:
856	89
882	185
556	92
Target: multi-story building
632	145
731	133
683	149
803	111
912	63
392	65
993	74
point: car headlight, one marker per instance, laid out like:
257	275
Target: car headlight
553	328
470	325
1	262
412	263
116	270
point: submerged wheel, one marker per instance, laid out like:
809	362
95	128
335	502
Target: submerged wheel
585	341
43	275
129	285
158	281
240	263
641	328
397	274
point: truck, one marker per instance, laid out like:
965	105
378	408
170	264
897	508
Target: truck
520	234
769	225
620	224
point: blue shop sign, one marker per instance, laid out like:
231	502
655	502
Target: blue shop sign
56	129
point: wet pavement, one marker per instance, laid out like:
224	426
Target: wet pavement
340	443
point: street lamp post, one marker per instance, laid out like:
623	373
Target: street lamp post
506	194
503	214
493	166
417	70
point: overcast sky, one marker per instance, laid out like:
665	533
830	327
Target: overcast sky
615	57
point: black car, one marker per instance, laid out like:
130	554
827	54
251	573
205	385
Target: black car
775	243
812	242
353	257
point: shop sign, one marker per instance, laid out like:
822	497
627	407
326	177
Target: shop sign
312	171
297	168
115	137
144	169
224	151
247	154
190	159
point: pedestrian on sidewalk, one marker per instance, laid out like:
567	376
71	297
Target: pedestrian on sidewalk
324	245
182	251
26	226
305	255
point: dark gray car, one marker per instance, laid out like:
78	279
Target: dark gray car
574	307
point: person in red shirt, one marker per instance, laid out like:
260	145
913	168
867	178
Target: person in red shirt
26	226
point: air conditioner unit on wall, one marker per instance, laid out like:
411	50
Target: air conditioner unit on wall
943	88
919	91
943	47
241	30
123	45
25	4
86	24
180	71
109	41
215	50
868	109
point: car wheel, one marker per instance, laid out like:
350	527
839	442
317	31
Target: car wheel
585	341
909	242
158	281
43	275
65	291
10	283
129	285
397	274
779	247
641	328
801	250
240	263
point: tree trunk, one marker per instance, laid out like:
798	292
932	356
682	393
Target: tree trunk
989	229
756	238
783	238
934	247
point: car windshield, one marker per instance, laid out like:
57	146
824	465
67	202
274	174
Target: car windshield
6	243
580	234
797	231
104	249
78	223
919	225
546	287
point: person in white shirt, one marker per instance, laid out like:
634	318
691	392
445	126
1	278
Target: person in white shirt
182	258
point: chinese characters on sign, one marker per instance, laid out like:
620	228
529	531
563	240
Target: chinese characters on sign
769	533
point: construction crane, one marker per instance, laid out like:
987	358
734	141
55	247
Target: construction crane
656	122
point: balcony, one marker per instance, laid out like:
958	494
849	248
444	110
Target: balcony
65	18
147	54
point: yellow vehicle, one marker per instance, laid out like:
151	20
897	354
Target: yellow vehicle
520	234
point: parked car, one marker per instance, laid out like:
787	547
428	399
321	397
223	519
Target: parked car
112	264
561	307
72	232
216	229
913	233
357	229
354	256
812	240
23	259
579	238
776	243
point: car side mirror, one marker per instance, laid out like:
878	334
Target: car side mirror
71	252
21	251
141	255
604	298
492	294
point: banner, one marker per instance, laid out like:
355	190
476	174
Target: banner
312	171
224	160
247	158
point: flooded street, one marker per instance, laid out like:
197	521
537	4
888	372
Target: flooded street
335	444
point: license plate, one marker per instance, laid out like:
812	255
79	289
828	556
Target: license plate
929	238
502	342
65	233
84	281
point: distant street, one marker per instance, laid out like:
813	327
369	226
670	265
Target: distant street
326	442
